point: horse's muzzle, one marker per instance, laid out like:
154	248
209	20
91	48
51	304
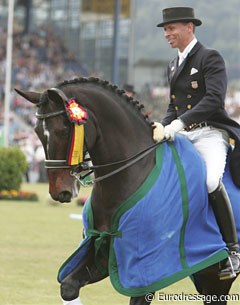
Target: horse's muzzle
62	186
65	196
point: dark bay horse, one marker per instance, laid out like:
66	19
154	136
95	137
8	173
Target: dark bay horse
115	129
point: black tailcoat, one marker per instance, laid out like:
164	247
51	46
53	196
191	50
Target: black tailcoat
197	93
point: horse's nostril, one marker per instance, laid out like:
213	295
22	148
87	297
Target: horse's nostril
65	196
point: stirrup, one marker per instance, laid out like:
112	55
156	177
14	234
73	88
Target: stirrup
237	255
229	271
226	275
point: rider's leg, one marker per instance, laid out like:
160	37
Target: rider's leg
223	212
213	145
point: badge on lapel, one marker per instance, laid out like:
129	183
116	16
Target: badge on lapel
194	84
193	71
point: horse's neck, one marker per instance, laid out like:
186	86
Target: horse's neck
121	135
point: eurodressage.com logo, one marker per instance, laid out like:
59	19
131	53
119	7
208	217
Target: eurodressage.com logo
183	297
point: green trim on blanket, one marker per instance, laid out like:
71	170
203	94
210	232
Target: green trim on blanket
89	214
141	192
83	245
137	292
113	272
129	203
185	202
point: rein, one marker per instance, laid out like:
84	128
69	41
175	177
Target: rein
83	166
131	160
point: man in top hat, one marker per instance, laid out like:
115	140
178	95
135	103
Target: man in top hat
129	90
198	83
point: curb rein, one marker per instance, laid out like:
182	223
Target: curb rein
130	161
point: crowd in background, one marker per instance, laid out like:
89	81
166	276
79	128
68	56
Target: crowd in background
40	60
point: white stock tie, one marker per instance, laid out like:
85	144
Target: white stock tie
181	59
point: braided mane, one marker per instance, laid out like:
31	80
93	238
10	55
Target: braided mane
106	84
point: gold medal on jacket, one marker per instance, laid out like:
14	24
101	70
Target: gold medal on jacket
194	84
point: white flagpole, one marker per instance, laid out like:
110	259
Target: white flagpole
131	45
8	78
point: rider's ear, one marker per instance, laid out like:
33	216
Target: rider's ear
33	97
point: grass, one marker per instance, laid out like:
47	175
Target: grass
36	237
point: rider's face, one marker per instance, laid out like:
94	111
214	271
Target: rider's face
179	34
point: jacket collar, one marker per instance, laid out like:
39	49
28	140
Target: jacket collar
174	70
187	50
197	46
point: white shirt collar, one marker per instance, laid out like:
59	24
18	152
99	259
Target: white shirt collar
186	51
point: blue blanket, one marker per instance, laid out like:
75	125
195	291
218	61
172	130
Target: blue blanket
166	230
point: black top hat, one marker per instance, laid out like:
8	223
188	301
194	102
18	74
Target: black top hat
179	14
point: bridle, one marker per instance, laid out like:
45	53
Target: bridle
76	170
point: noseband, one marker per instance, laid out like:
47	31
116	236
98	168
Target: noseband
76	170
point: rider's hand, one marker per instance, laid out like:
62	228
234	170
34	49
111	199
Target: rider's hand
171	129
158	132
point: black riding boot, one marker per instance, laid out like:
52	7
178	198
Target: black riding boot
224	215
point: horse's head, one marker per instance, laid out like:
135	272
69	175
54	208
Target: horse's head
60	128
116	129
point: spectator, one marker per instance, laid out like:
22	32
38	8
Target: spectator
129	90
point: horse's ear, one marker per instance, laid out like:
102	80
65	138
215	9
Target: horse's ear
33	97
57	95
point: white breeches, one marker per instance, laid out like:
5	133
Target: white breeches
212	144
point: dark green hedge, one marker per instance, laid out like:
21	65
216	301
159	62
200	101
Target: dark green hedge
12	167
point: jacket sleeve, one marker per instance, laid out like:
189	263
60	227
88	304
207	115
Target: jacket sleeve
214	73
170	115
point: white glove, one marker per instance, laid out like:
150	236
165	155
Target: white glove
171	129
158	132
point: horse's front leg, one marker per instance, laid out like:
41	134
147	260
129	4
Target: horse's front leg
143	300
85	273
